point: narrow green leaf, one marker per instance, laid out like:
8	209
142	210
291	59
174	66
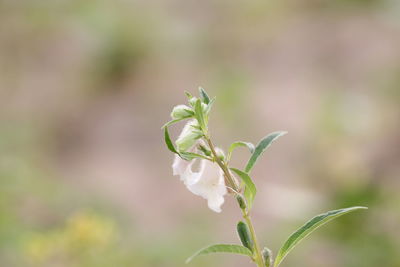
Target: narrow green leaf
200	115
204	95
261	147
175	121
250	189
168	141
190	156
209	106
308	228
221	248
234	145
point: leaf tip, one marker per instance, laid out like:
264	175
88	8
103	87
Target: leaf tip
361	207
281	133
204	95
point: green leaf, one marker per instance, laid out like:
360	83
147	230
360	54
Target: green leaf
168	141
204	95
308	228
209	106
190	156
261	147
175	121
221	248
234	145
200	115
250	189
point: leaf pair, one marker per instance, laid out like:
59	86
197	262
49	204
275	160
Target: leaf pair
290	243
250	189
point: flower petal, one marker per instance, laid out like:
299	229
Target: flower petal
209	183
180	165
183	168
215	203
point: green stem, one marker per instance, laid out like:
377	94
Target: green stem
224	168
246	215
259	260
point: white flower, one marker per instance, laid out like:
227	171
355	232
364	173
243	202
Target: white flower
210	185
208	182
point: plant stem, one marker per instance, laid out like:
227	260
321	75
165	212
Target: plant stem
246	214
259	260
224	168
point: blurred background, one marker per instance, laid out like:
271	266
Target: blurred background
85	86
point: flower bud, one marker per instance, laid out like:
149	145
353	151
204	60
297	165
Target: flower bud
244	235
205	150
220	153
267	256
188	137
240	200
181	111
192	101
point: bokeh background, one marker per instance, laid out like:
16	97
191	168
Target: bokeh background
85	178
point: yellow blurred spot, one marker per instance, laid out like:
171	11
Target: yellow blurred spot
85	229
83	233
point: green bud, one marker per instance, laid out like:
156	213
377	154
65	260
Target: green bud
181	111
244	235
267	256
220	153
192	101
240	200
188	137
188	95
205	151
